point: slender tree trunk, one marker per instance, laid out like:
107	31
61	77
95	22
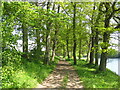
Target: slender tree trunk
67	42
25	41
92	38
71	52
92	49
53	53
88	51
47	52
54	45
38	43
97	33
74	36
64	52
38	40
96	47
55	38
80	49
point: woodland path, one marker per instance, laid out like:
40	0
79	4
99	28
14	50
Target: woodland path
64	76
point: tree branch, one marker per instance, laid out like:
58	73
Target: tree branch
100	7
66	11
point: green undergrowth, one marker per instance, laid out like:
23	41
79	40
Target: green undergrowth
95	79
21	73
64	82
28	76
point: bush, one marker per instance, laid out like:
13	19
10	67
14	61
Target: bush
112	53
21	73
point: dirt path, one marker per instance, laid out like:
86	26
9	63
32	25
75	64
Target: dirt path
64	76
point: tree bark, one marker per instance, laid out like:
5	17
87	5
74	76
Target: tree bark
67	43
92	38
104	52
74	36
97	33
25	41
96	47
88	51
47	52
55	38
92	49
38	43
80	48
106	37
64	52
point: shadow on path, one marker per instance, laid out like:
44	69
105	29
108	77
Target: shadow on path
56	78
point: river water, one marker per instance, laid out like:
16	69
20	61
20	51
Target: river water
114	65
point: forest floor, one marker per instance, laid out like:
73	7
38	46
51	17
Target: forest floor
64	76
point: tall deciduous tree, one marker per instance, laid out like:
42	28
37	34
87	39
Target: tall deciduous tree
110	10
74	35
47	51
67	42
25	40
55	36
92	37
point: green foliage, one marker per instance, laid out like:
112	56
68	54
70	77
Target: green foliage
11	58
112	53
28	76
20	73
93	79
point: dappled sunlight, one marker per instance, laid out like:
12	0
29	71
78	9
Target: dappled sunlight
93	79
55	79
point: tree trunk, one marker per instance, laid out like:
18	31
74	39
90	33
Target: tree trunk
54	45
55	38
25	41
64	52
96	47
80	49
47	52
92	48
106	37
74	36
67	43
38	43
104	53
97	33
88	51
92	38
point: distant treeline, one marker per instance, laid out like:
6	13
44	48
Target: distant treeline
112	53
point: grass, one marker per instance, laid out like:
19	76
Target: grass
28	75
93	79
64	82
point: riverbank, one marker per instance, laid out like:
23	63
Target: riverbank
112	63
93	79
